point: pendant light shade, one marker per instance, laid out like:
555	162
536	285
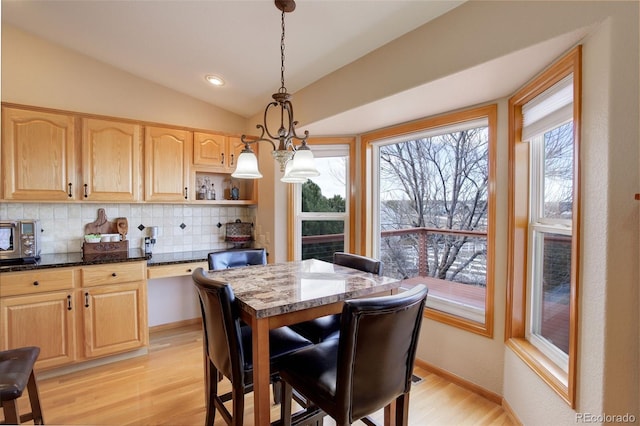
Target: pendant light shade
303	164
287	178
247	166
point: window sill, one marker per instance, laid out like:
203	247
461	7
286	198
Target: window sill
548	371
455	304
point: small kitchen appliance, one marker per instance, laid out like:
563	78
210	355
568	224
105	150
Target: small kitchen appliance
19	241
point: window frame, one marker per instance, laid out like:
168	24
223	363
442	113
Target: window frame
369	226
295	215
516	324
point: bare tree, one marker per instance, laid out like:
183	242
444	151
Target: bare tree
442	183
558	171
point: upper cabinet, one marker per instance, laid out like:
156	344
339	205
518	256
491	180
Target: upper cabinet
167	152
111	160
235	147
210	150
38	155
51	155
216	152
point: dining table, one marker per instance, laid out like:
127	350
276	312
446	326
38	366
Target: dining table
279	294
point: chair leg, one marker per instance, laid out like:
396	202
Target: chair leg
402	410
34	399
285	403
11	414
211	390
238	405
369	421
277	390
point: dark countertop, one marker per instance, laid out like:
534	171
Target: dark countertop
158	259
63	260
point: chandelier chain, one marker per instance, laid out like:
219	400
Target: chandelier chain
283	89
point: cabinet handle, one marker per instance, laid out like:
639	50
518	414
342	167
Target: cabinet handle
222	156
114	274
85	190
86	300
68	302
70	194
36	283
186	193
189	270
231	160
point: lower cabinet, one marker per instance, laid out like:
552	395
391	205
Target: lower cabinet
115	319
47	320
103	311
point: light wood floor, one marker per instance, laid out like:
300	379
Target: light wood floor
166	387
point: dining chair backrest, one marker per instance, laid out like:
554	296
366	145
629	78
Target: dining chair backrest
220	317
355	261
236	258
377	350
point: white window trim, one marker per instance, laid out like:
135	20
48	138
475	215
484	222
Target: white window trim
320	151
538	226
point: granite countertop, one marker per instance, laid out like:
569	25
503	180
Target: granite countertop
62	260
274	289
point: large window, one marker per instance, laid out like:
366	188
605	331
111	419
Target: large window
544	211
433	204
322	205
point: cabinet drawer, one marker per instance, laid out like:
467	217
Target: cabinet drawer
28	282
177	270
113	273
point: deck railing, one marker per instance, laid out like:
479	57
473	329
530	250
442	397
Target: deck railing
415	252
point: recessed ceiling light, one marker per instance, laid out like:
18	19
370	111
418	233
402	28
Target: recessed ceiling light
215	80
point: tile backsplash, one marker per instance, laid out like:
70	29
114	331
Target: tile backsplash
63	223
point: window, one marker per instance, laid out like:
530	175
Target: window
543	229
433	205
550	231
322	206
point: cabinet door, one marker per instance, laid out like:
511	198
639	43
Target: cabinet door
39	155
235	148
44	320
210	150
167	153
111	160
115	318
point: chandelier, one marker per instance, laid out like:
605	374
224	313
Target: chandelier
296	162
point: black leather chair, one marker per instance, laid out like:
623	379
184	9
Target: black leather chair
237	257
16	374
368	367
228	348
327	327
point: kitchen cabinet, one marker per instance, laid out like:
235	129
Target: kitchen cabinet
45	320
45	159
39	155
175	270
216	152
215	158
167	156
51	155
111	160
114	308
209	150
39	309
75	314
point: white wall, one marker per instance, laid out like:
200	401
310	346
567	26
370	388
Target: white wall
37	72
171	300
